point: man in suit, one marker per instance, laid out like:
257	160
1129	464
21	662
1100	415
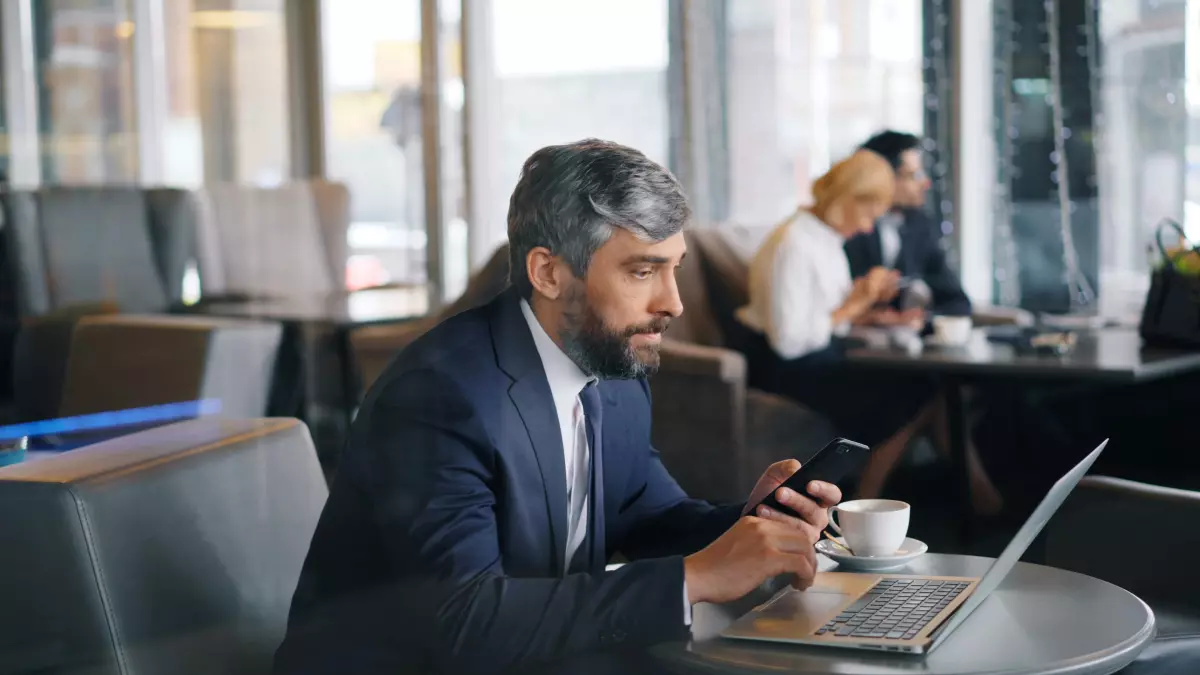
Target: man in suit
503	458
906	239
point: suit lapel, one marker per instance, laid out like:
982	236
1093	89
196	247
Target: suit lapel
530	394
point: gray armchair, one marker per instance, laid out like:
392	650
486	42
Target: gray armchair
174	550
1144	539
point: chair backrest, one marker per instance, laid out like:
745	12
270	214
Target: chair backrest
173	215
173	550
81	245
283	242
25	257
125	361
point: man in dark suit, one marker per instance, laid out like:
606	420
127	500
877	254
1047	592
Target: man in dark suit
502	459
906	239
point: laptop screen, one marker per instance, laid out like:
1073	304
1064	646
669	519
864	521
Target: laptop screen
1016	548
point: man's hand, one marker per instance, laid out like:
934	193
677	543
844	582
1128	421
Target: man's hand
766	544
888	317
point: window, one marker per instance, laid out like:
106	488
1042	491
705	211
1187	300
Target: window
560	72
238	48
373	143
85	91
1150	139
808	82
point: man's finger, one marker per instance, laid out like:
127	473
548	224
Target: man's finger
781	471
811	531
804	507
826	494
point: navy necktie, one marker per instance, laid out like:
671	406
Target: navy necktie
586	557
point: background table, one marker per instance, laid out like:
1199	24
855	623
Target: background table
1101	357
1041	620
1113	355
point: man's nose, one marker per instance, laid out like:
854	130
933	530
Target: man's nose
667	300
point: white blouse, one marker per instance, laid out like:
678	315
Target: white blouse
798	279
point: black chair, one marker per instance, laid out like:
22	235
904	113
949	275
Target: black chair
1142	538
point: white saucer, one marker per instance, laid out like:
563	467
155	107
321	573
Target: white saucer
909	551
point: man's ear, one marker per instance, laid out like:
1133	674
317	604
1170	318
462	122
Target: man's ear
546	272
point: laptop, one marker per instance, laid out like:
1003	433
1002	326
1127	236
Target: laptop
895	613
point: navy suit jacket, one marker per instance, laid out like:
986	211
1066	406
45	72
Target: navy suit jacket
921	256
442	545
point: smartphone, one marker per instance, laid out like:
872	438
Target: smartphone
832	464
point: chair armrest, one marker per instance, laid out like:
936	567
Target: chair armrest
191	358
40	353
686	358
1135	535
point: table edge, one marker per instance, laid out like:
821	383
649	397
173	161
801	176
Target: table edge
1110	660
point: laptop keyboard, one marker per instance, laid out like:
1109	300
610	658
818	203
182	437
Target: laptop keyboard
894	609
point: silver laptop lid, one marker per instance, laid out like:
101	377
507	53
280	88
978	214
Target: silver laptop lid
1012	553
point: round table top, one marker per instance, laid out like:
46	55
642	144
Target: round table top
1041	620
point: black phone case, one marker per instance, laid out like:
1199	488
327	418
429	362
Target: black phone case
837	460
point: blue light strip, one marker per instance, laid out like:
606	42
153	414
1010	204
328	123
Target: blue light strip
116	418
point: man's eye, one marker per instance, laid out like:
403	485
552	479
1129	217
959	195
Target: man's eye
643	273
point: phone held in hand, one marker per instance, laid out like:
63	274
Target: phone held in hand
832	464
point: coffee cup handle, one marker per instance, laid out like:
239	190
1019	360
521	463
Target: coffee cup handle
833	520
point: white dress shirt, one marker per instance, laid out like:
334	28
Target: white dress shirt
798	279
888	227
566	381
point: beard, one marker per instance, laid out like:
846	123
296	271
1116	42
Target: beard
607	353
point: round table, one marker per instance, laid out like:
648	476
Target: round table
1041	620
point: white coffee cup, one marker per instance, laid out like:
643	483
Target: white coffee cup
871	527
952	330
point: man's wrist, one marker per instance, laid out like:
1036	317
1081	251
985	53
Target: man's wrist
693	580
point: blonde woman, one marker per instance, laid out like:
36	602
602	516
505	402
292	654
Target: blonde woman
803	299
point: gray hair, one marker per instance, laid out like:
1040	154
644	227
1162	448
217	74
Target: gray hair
570	197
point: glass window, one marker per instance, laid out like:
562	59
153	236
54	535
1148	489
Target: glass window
373	143
556	75
238	50
808	83
85	90
1149	139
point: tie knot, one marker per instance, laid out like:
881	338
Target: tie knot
589	396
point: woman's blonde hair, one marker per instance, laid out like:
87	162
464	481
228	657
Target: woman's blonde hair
864	176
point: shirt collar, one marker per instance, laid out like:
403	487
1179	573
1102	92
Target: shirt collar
565	378
892	219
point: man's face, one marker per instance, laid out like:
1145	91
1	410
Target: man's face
613	320
911	182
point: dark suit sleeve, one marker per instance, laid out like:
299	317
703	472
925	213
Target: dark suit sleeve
660	519
948	294
431	474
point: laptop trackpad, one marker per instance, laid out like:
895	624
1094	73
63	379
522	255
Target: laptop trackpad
793	615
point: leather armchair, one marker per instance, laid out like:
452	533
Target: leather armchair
96	362
715	434
174	550
1142	538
